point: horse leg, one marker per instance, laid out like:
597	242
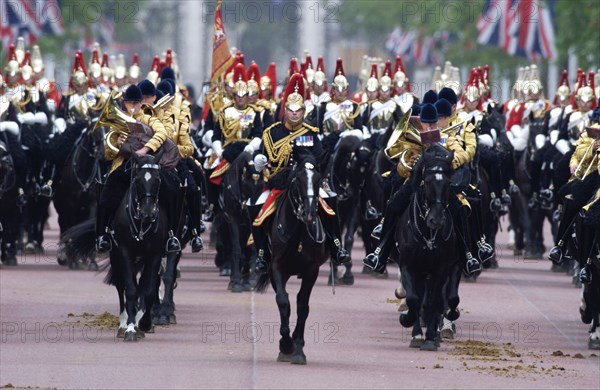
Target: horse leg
236	257
348	278
166	313
286	345
131	295
412	299
148	287
433	309
308	281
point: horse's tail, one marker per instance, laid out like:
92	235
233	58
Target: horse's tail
79	241
262	283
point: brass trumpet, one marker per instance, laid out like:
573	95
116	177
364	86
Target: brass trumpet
592	164
115	119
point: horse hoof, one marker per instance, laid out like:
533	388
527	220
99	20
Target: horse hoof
162	320
130	336
403	306
61	261
452	315
120	333
172	319
10	261
284	358
299	358
236	288
416	342
429	345
447	334
151	330
347	280
73	265
407	319
399	292
247	286
140	334
93	266
594	344
366	270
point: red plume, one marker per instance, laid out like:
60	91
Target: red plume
339	68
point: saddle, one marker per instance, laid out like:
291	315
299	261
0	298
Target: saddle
139	135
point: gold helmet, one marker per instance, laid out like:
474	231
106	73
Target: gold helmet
320	77
134	69
532	85
107	72
26	68
563	92
385	81
372	84
472	92
95	66
240	87
253	77
339	80
37	62
294	93
12	67
120	69
269	80
20	49
154	70
79	75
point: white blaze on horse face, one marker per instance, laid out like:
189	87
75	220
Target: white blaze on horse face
310	191
147	176
439	177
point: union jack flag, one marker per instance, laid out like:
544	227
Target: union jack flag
29	19
522	28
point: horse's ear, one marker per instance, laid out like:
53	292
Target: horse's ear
490	109
159	153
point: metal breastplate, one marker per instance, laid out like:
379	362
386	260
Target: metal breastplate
237	123
338	117
577	123
384	118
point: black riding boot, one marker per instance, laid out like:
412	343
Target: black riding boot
472	264
378	259
173	216
103	220
569	212
331	224
259	235
193	202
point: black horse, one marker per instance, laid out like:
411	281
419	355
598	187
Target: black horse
140	230
75	188
240	183
9	212
342	177
427	247
298	248
587	230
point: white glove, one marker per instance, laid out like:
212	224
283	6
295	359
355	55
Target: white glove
563	146
217	147
59	125
540	141
41	118
249	149
494	135
260	162
207	138
554	136
10	127
485	139
26	119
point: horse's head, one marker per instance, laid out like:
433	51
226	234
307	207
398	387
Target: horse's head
146	184
493	119
436	171
304	189
361	162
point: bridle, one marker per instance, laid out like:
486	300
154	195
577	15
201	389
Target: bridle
138	228
420	210
93	154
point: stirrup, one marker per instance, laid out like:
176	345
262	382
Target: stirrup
103	244
495	204
505	198
341	256
173	245
196	242
485	252
376	233
585	276
47	190
513	189
472	265
556	254
261	266
374	262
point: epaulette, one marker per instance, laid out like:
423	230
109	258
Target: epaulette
311	128
257	107
268	129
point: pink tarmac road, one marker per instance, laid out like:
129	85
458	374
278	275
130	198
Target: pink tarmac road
519	328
